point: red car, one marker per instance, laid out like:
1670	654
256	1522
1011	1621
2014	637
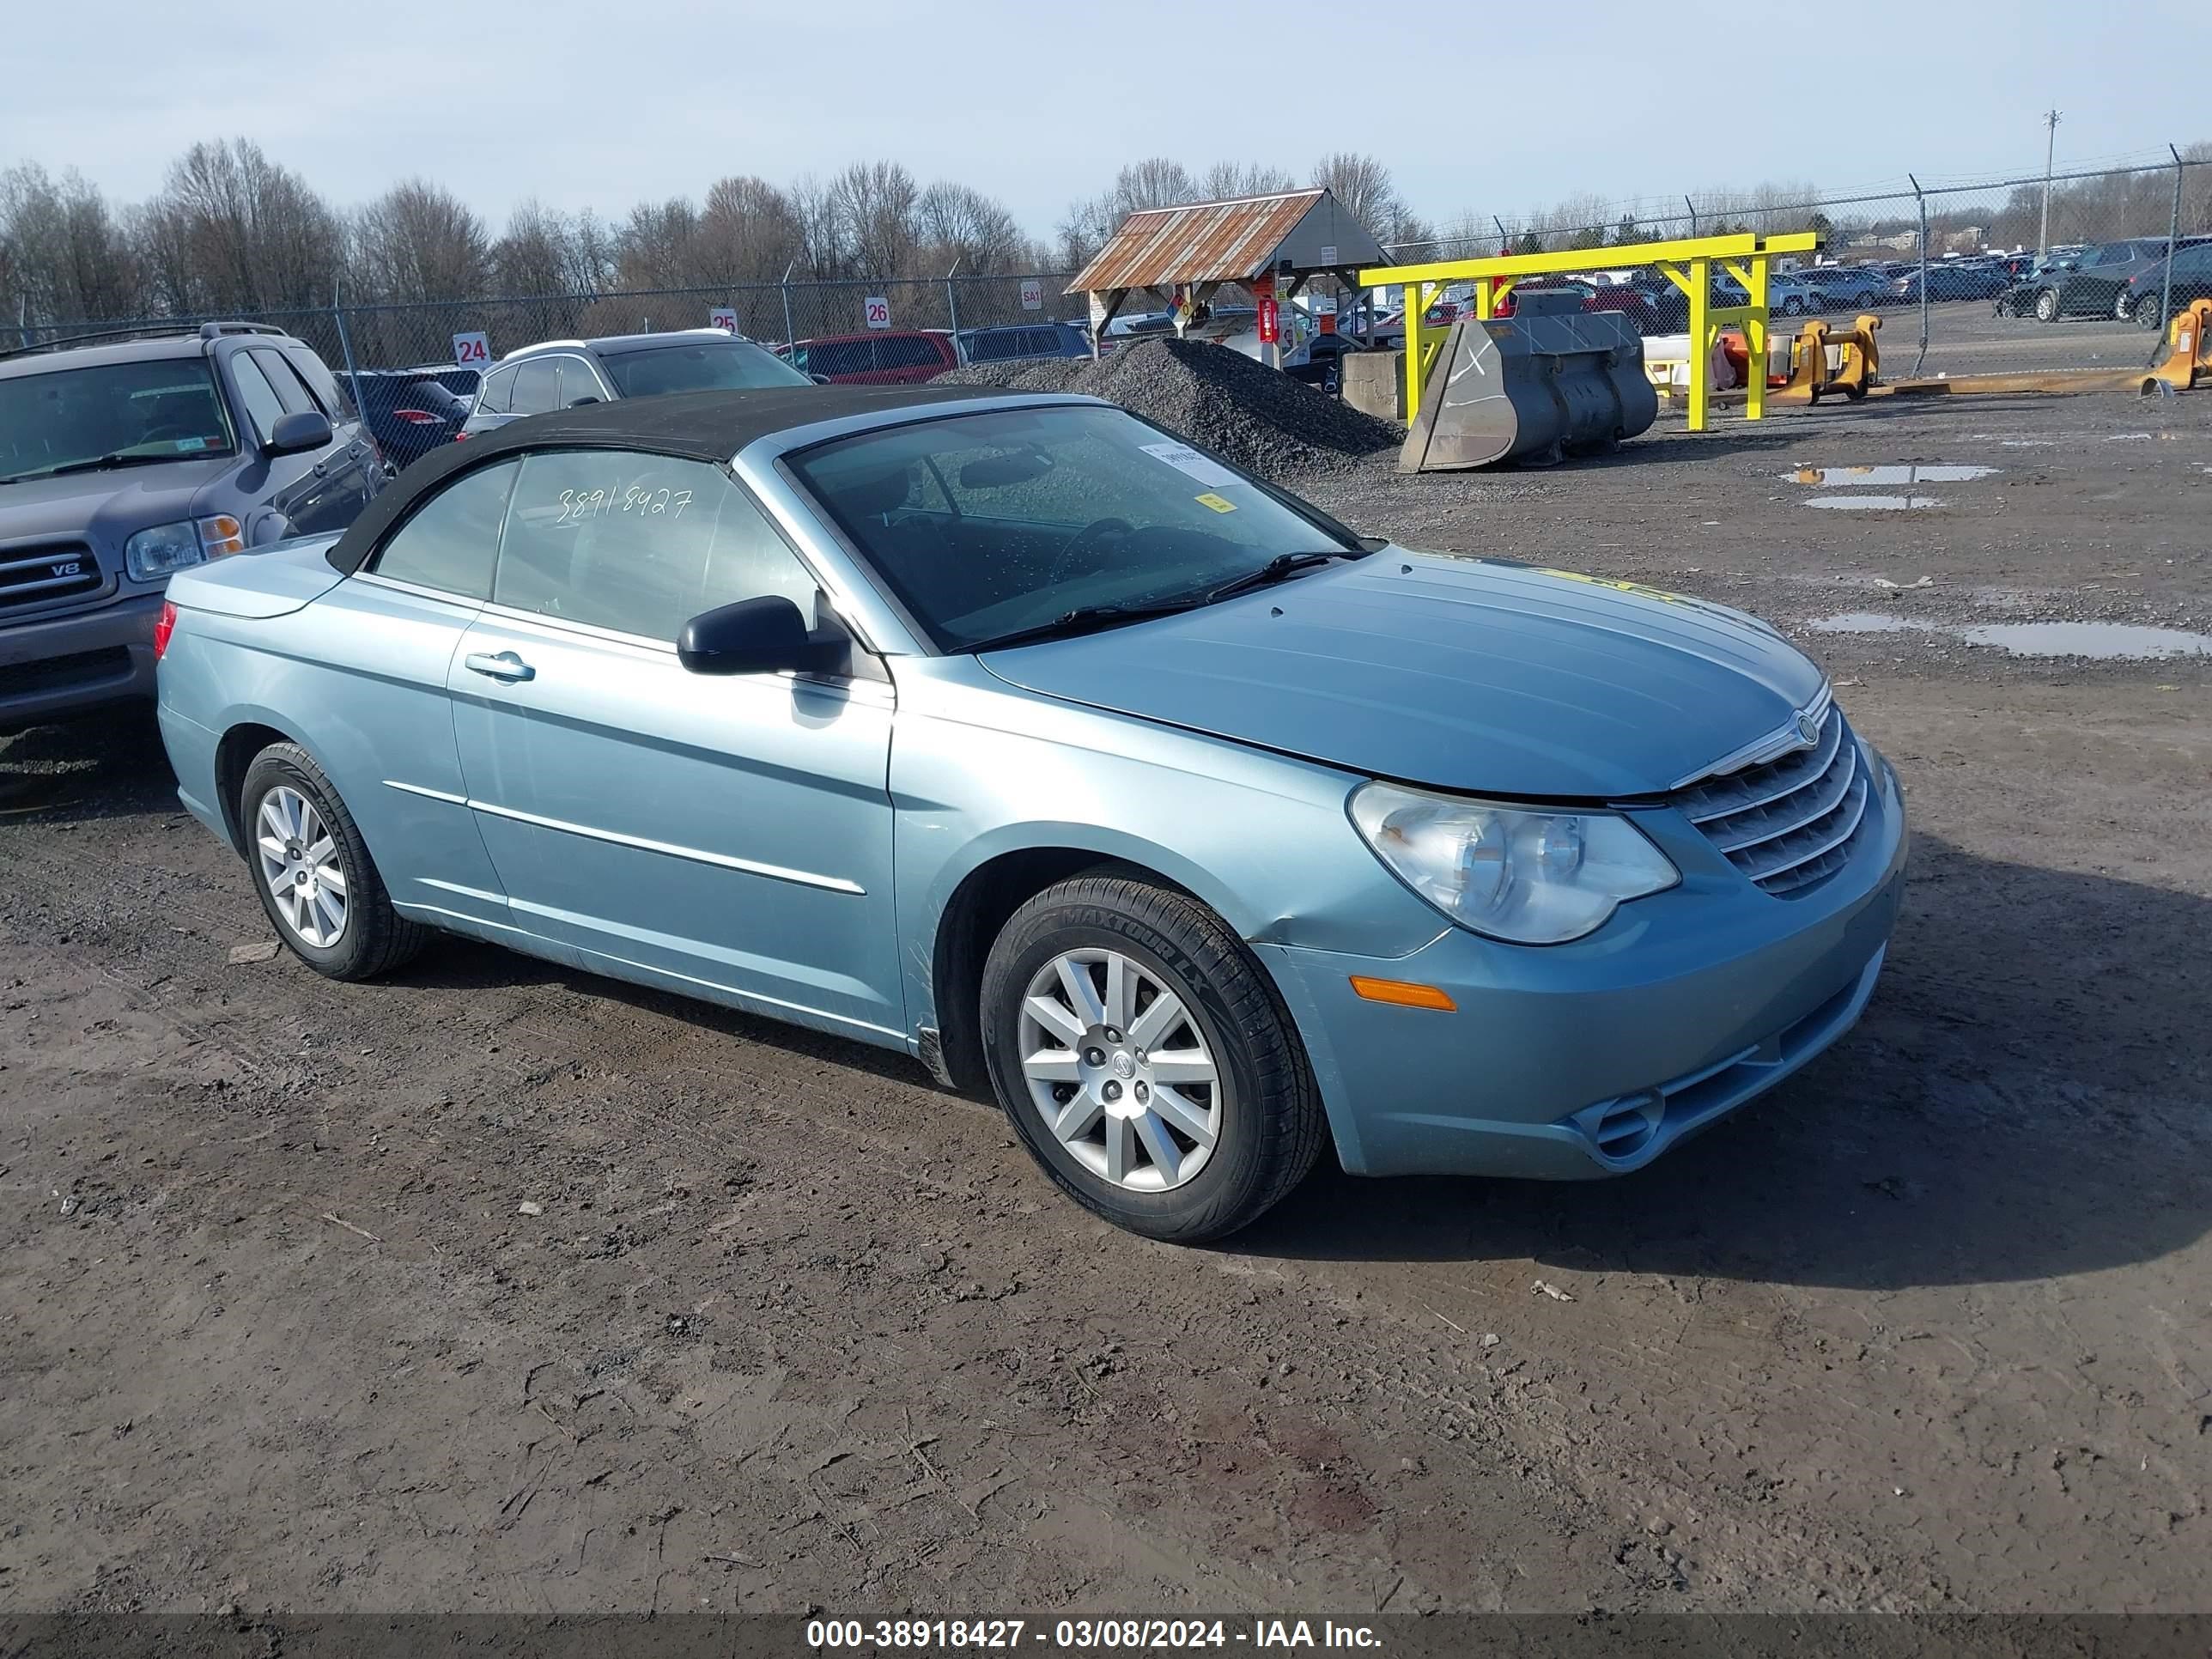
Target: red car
884	358
1630	303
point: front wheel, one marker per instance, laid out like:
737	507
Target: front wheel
2148	315
312	872
1146	1060
1792	305
2046	307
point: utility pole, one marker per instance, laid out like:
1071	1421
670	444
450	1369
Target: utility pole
2050	151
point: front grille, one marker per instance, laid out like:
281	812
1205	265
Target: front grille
1787	824
78	668
37	575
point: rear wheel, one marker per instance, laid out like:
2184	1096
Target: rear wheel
313	873
1146	1060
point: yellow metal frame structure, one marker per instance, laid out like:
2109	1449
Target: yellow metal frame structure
1686	262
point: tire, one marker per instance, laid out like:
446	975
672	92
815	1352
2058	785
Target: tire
1862	302
1791	306
2145	312
1261	1109
2121	309
2046	306
288	809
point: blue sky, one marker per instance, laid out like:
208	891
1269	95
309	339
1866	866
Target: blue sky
599	104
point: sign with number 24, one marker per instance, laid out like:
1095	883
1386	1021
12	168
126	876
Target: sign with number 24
472	351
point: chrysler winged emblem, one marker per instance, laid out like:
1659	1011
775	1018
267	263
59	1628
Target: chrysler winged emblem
1809	728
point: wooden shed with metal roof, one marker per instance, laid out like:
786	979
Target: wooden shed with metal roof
1272	245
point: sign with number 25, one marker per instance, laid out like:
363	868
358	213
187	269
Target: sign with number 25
877	309
472	351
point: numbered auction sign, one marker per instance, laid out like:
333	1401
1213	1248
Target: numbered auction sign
724	317
877	309
1032	294
472	351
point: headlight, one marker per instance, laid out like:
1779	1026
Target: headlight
171	547
1531	877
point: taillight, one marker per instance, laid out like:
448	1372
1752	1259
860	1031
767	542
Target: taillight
164	625
460	437
415	416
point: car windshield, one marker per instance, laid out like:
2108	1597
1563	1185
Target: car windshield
116	413
993	524
698	365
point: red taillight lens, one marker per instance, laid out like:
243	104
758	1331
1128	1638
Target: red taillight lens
415	416
460	437
164	625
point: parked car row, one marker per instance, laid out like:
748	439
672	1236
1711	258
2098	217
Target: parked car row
2094	281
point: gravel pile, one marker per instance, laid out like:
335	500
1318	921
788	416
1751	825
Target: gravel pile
1256	416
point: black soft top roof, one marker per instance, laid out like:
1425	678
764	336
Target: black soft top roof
699	426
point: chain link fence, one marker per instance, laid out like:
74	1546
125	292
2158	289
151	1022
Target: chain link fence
2022	275
2077	270
372	338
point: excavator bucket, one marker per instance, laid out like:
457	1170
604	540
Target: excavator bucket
1551	380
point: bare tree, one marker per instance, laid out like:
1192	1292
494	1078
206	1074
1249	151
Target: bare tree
961	226
875	201
1225	181
233	230
64	254
824	251
417	242
749	232
656	245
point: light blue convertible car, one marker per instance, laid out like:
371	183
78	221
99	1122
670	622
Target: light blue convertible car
1018	734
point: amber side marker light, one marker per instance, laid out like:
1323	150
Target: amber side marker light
1403	993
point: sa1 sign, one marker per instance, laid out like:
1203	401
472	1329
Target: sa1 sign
1032	294
724	317
472	351
875	311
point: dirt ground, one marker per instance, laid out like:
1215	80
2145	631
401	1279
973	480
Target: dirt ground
1930	1328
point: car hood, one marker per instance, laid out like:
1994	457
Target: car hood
1463	674
117	503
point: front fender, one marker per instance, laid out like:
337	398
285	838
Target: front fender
979	769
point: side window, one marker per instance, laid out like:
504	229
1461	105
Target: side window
836	357
578	382
537	387
451	541
330	397
909	352
291	390
264	408
498	386
639	543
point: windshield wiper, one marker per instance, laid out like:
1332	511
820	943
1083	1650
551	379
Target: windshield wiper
1084	619
101	465
1281	568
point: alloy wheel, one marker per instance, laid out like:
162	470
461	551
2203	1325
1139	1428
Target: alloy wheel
298	860
1119	1071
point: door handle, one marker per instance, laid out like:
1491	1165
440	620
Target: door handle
505	666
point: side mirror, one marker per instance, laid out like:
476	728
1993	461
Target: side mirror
308	429
819	380
766	636
578	402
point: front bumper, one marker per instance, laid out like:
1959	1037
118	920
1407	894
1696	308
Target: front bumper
66	665
1592	1058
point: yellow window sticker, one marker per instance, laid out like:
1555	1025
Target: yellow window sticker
1218	503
